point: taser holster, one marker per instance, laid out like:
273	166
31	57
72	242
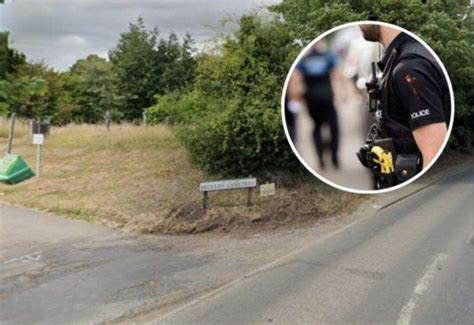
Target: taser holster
388	167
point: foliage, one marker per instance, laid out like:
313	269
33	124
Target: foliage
178	64
16	93
94	88
134	60
178	108
446	25
146	66
45	102
10	59
244	134
19	93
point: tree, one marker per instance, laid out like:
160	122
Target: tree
16	95
10	59
147	66
94	89
445	25
134	60
18	90
44	102
178	63
241	132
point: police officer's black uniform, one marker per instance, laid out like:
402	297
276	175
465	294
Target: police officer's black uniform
414	93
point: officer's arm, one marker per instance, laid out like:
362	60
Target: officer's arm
429	139
422	100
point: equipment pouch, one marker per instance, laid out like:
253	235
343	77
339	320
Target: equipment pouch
407	166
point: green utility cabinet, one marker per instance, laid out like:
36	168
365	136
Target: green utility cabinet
13	169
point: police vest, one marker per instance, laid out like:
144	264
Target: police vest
389	127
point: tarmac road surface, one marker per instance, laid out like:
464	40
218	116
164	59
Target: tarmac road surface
412	262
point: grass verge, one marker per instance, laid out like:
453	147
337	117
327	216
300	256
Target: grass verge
141	179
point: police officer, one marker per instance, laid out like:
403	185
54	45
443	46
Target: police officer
414	97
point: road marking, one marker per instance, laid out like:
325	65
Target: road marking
35	257
219	290
421	287
470	238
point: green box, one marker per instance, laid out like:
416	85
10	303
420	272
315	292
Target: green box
13	170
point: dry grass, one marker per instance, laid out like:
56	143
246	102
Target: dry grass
142	179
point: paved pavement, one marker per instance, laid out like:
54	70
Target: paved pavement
411	262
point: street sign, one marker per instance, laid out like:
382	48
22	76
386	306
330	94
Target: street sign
230	184
38	139
267	189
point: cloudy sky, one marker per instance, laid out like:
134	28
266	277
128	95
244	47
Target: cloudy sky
61	31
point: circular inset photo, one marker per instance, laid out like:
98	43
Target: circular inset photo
367	107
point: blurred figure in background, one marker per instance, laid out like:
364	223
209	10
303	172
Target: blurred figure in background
311	82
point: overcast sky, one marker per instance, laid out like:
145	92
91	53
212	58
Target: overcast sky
61	31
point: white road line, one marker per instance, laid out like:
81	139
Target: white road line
31	257
421	287
470	238
221	289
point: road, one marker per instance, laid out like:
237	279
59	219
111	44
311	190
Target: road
58	271
412	262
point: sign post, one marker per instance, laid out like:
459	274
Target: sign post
230	184
38	140
145	117
107	119
10	133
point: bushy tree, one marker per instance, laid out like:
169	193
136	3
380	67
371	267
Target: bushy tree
94	89
18	94
242	86
42	104
134	59
19	89
149	66
178	63
10	59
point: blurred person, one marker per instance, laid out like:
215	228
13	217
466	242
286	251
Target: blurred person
311	82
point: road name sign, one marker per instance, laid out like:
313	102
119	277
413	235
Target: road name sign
229	184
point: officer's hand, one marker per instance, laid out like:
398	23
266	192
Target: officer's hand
296	86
